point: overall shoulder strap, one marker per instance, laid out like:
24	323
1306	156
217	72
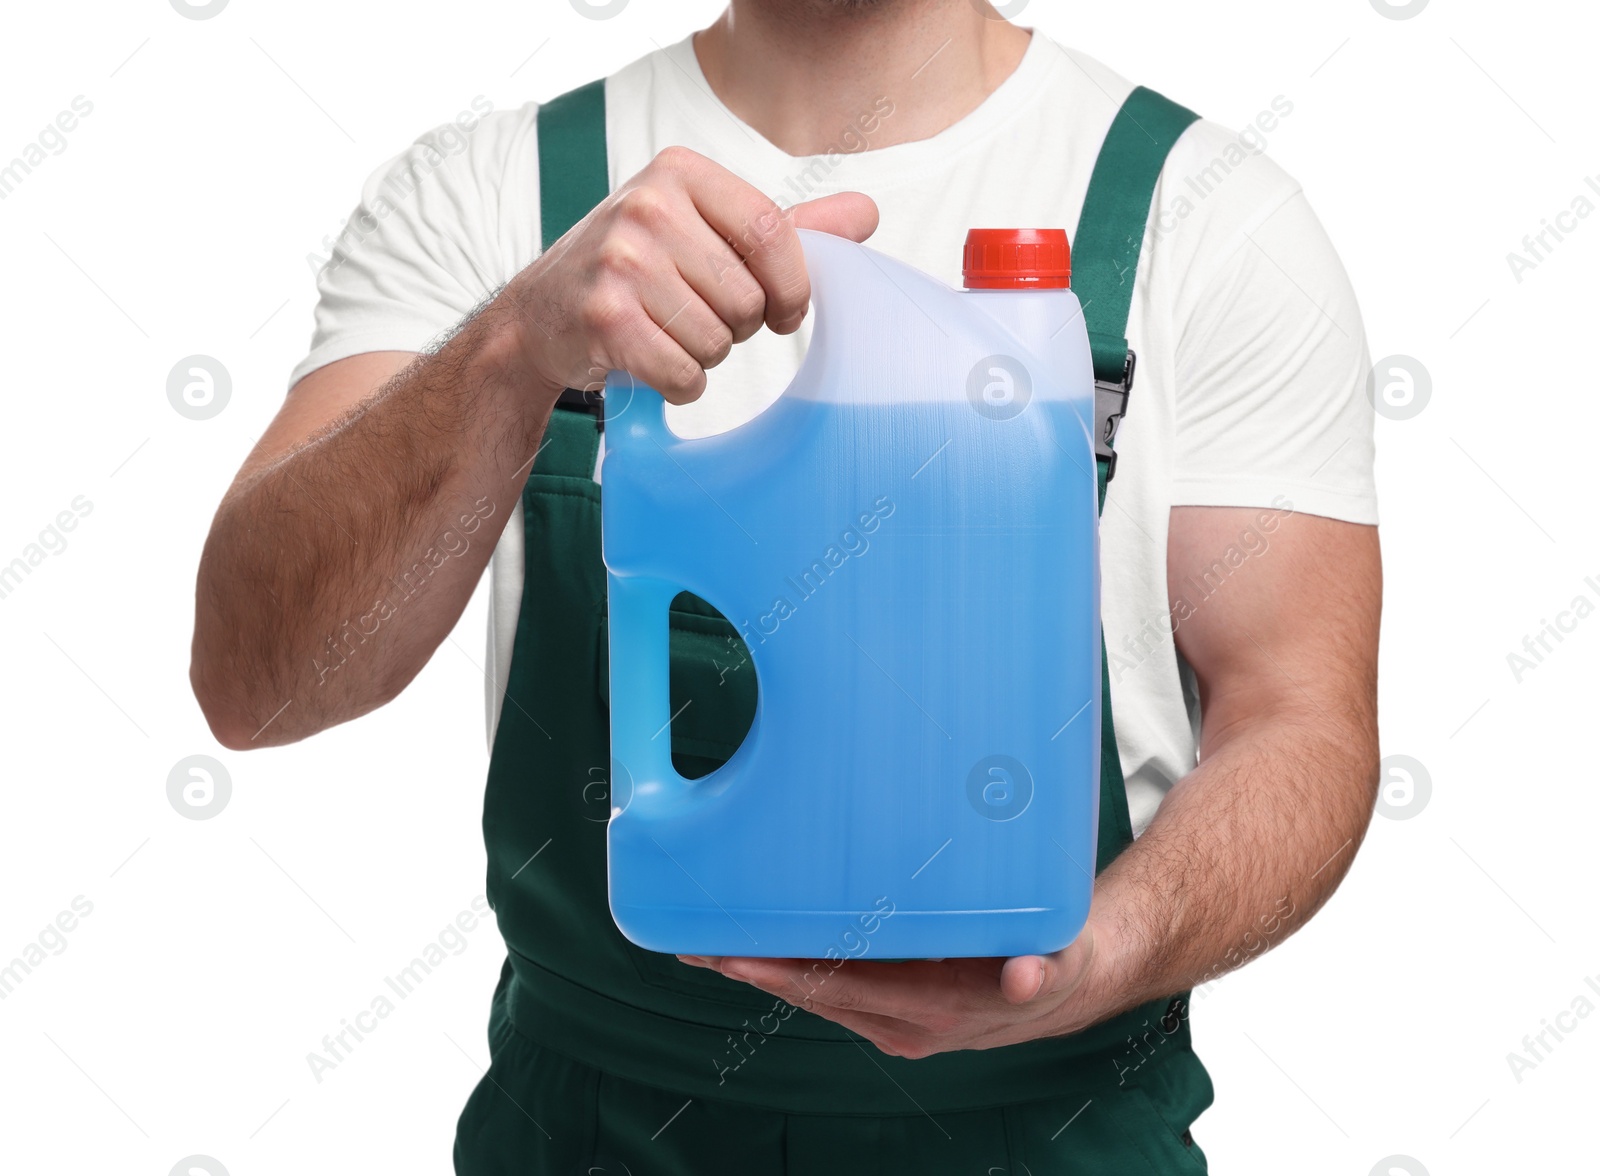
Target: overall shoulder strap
573	178
1105	261
1105	255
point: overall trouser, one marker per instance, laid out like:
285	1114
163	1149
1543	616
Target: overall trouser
610	1058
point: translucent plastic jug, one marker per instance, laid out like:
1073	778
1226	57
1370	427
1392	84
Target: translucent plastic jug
907	542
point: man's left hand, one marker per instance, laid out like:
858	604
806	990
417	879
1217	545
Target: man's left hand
916	1008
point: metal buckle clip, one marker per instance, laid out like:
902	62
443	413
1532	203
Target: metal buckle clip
591	402
1110	404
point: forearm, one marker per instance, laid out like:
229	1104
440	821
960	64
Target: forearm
305	616
1242	852
331	574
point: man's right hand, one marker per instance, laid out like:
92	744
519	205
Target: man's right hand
669	272
374	462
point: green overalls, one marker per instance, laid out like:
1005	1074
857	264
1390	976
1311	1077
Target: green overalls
607	1058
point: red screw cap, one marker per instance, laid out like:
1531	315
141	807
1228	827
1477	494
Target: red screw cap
1016	259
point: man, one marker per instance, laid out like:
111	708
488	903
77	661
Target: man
1240	571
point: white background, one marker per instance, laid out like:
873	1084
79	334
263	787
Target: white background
177	221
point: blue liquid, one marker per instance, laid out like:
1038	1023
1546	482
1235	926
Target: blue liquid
917	586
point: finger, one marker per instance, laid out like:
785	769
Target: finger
919	992
643	349
725	280
681	313
719	275
1023	978
844	214
896	1038
1056	976
703	259
891	1035
757	229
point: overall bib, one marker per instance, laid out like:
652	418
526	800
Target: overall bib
607	1058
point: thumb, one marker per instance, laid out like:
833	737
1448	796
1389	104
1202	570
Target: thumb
1027	978
1023	978
844	214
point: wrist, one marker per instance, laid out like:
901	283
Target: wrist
521	334
1115	974
511	354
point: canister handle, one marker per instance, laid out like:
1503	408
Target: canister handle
641	704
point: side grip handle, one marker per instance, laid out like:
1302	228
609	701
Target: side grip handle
641	704
635	415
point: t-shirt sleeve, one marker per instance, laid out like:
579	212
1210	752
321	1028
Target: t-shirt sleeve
423	248
1271	371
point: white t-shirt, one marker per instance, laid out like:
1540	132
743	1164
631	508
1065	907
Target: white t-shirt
1252	368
